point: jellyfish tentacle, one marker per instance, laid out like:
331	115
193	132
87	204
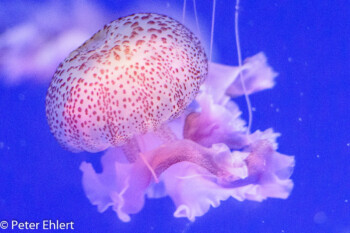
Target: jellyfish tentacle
184	11
239	56
212	31
196	18
166	134
143	157
183	151
131	150
196	176
119	199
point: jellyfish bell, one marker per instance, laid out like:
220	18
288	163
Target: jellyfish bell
129	78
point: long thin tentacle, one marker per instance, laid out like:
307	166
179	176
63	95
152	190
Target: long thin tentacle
184	12
196	17
212	31
240	72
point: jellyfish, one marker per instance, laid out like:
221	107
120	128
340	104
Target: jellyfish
130	78
31	49
143	89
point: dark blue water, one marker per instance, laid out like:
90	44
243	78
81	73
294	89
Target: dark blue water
307	43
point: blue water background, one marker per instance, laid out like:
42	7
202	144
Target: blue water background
306	42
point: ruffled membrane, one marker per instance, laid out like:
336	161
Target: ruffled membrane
209	159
